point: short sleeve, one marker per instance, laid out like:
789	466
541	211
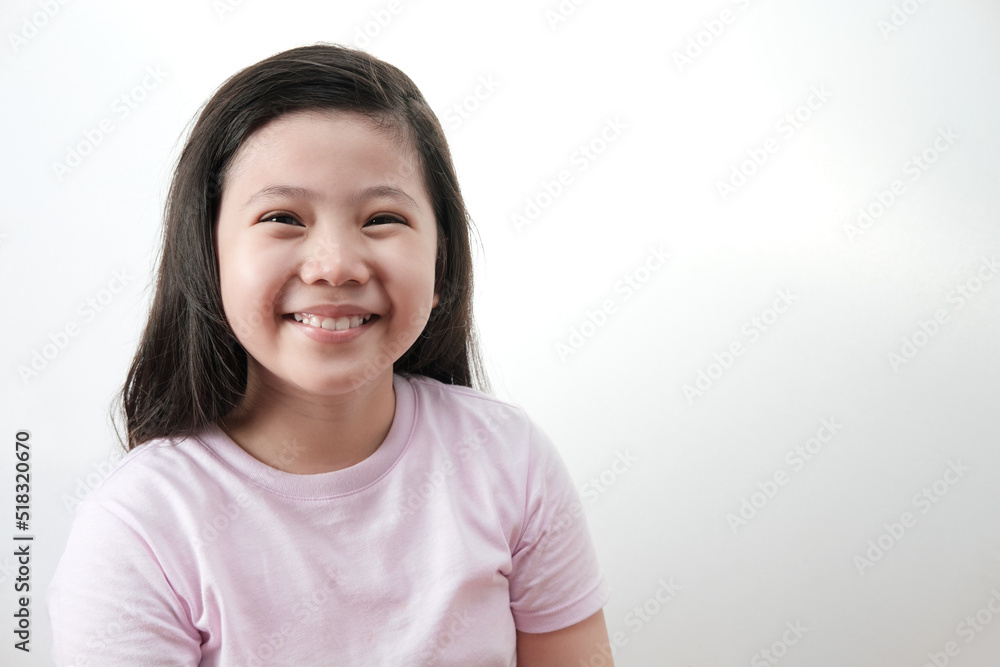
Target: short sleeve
110	602
556	580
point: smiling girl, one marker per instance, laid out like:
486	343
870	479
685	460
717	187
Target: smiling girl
315	476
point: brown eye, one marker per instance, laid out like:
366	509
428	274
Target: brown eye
385	220
281	218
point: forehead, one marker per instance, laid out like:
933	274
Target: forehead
325	144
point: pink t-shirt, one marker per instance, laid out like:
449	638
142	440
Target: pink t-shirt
463	526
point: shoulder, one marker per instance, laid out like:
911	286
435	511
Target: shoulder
468	416
455	395
474	426
154	476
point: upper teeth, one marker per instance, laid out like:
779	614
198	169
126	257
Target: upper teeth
334	323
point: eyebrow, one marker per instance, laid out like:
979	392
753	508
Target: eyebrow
384	192
295	192
280	191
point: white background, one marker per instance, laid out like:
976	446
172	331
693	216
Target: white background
893	79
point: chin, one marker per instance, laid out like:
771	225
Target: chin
338	384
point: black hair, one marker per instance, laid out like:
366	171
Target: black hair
190	369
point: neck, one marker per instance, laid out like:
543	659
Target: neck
309	434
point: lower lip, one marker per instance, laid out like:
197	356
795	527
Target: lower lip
331	335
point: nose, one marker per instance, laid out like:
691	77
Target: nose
334	257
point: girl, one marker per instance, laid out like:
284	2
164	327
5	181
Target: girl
312	478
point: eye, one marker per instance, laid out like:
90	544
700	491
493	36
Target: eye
282	218
384	219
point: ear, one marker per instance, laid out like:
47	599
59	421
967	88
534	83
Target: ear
437	298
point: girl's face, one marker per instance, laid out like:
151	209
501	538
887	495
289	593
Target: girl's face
327	243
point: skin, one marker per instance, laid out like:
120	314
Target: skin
290	251
566	647
337	242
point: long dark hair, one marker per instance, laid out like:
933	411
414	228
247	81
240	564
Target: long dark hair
189	369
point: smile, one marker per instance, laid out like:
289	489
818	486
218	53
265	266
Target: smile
332	323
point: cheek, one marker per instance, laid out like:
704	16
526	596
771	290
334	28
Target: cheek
415	283
249	292
414	272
